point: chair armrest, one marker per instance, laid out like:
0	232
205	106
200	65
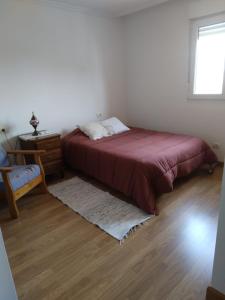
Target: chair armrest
5	170
36	153
26	152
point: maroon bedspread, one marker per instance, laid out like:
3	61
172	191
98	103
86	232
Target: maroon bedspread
139	163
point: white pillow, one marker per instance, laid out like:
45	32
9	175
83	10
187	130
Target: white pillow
94	130
114	126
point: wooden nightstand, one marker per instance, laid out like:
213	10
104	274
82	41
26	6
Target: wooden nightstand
52	159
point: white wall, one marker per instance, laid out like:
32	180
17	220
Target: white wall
67	66
7	287
61	63
218	278
157	48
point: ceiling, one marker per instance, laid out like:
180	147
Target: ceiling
115	8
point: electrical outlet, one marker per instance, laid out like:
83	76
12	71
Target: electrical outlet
216	146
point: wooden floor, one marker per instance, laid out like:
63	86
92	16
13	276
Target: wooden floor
56	254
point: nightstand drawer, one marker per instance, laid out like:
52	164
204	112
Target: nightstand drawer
52	158
48	144
51	155
53	167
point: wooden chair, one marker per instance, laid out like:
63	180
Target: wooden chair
18	180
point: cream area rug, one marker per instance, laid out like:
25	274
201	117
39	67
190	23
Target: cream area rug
116	217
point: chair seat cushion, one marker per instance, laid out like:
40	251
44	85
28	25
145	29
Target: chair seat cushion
21	175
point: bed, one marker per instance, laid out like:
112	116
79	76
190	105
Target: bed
140	163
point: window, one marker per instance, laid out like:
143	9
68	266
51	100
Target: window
207	71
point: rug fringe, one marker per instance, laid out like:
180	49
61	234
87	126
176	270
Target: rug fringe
131	231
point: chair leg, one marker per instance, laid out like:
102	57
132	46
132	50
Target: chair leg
43	188
13	209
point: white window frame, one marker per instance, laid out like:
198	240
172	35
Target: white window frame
195	25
